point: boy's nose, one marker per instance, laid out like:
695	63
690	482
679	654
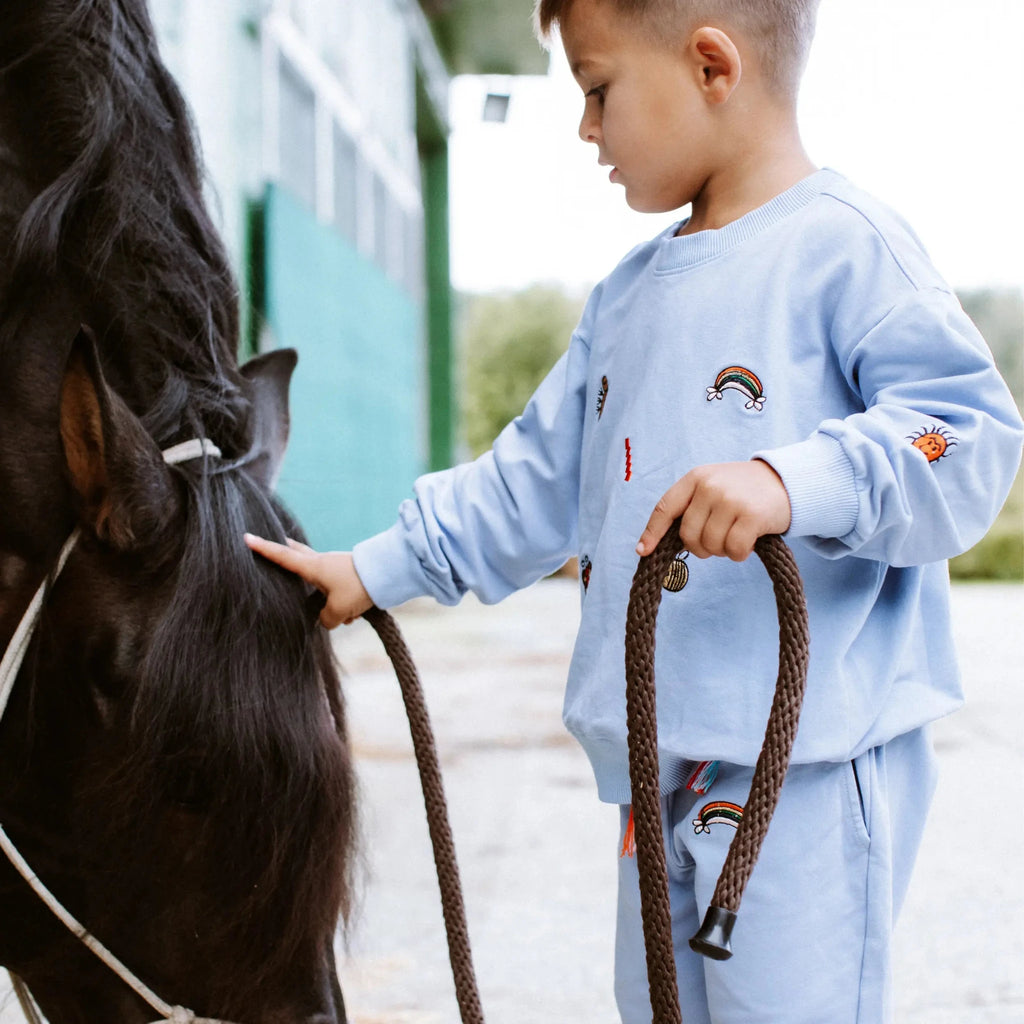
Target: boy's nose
588	129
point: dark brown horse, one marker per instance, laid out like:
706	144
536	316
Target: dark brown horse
173	761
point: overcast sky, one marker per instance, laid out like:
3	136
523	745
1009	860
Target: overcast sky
920	102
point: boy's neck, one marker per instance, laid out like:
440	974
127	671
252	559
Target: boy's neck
748	180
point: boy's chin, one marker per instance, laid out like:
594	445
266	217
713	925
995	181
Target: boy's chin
647	204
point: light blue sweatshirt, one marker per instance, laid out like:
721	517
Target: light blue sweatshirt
812	333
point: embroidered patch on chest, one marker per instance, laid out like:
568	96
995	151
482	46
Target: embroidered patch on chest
678	574
585	568
718	812
602	396
739	378
933	442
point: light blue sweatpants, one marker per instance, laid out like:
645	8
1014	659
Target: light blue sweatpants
812	940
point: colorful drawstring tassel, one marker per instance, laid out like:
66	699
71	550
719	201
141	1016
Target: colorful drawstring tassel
703	776
700	781
629	840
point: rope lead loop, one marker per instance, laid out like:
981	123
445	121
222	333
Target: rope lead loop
712	939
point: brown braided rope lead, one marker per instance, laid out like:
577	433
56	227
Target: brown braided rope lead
769	773
470	1009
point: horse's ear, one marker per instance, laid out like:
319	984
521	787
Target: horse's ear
124	492
269	376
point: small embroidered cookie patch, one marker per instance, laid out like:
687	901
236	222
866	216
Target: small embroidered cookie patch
933	442
718	812
739	378
678	574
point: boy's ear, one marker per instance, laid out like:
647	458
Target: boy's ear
716	60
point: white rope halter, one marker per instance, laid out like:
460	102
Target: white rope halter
10	665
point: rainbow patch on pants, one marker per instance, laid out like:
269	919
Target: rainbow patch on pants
718	812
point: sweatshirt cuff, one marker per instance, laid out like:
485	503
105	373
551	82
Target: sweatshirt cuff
821	484
388	568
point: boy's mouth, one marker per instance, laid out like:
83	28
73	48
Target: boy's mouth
612	173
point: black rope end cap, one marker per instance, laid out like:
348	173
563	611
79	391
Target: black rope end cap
712	939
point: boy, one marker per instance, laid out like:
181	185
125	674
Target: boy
786	360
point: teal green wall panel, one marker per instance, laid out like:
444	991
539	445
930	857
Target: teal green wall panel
358	423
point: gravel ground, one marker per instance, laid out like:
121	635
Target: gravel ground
537	850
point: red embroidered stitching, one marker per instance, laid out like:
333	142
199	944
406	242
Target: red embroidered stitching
629	461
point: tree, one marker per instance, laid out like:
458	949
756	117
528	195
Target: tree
508	343
999	315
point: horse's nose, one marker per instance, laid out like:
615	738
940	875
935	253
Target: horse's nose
334	1005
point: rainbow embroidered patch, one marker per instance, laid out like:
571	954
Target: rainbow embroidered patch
739	378
718	812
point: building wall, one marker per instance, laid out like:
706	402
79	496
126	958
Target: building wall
214	53
308	115
357	391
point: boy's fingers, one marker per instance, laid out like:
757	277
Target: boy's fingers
297	546
288	558
673	504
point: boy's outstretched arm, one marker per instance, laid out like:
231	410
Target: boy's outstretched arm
332	572
725	508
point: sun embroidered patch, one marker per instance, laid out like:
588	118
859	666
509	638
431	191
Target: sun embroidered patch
933	442
718	812
739	378
602	395
678	574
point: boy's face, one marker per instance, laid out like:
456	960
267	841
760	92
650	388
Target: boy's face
643	107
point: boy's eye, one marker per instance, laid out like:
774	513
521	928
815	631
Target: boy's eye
597	93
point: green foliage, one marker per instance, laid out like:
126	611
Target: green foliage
999	315
508	343
999	555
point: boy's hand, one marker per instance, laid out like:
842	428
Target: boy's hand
333	572
725	508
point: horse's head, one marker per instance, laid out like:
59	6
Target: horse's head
183	782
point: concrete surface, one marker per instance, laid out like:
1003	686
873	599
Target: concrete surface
537	850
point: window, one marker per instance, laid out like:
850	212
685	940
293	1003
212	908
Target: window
346	183
349	155
297	135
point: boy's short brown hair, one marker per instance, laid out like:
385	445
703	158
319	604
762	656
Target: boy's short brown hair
780	30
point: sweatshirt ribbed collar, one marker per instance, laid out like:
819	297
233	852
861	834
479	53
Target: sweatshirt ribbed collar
684	251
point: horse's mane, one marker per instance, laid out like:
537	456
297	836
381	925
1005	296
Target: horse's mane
114	213
107	146
248	746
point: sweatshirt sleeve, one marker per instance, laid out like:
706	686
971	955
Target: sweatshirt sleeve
497	524
922	472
